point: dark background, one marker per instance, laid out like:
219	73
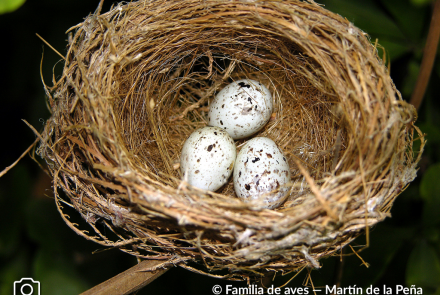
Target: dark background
35	242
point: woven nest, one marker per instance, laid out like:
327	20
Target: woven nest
139	79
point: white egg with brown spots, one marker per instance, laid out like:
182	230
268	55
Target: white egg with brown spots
207	158
241	108
261	173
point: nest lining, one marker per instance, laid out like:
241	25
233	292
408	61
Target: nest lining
138	81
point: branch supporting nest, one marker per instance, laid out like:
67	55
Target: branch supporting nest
130	280
429	54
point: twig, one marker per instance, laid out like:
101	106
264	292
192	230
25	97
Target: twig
309	278
18	160
129	281
339	270
297	273
98	10
363	261
428	57
51	47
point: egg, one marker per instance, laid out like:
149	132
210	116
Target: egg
241	108
207	158
261	173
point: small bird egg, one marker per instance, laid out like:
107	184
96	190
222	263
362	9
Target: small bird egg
207	158
241	108
261	173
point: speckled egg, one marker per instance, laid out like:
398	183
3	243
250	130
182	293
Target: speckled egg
241	108
261	168
207	158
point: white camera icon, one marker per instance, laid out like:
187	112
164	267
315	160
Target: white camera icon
26	286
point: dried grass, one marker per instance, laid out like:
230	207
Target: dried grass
138	80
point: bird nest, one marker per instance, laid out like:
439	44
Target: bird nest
139	79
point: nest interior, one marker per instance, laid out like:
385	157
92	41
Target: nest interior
138	80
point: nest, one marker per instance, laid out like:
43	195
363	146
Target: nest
138	80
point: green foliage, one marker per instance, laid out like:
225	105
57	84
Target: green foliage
395	33
9	235
12	271
423	269
10	5
430	192
385	242
40	215
56	274
411	78
400	12
432	131
421	2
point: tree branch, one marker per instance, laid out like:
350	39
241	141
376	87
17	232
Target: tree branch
428	57
129	281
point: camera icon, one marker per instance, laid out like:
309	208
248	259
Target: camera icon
26	286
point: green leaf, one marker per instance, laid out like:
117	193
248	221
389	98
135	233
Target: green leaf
385	242
430	192
13	271
432	132
56	274
411	78
393	49
431	234
423	268
421	2
11	208
9	235
367	16
408	18
385	239
45	226
43	223
10	5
